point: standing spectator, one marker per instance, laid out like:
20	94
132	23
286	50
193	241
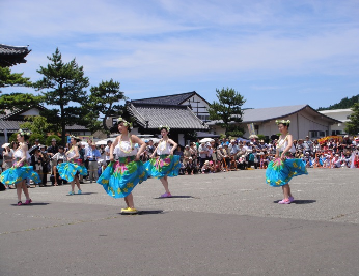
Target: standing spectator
346	143
46	166
37	162
316	147
93	156
51	151
300	146
83	158
202	154
308	145
107	152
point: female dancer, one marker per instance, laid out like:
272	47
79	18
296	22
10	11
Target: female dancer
166	164
20	171
284	167
72	168
120	177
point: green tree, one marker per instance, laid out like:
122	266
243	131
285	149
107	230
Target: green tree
14	101
228	108
103	101
343	104
352	127
8	78
35	136
38	125
63	86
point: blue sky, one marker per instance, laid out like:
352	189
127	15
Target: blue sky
274	53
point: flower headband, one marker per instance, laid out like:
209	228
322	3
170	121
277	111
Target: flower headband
285	122
22	133
166	127
76	138
124	122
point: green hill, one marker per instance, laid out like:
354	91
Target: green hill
343	104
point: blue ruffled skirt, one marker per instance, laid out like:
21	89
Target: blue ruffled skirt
122	176
15	175
163	165
280	172
68	171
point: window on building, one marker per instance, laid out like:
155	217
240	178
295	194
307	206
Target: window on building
336	132
114	121
349	117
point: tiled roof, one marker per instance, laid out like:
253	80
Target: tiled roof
14	126
11	126
175	99
11	55
17	111
76	127
152	116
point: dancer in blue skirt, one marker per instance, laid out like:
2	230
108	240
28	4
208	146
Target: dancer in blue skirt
121	176
166	164
284	167
20	171
73	167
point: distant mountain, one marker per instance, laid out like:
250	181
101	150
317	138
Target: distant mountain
343	104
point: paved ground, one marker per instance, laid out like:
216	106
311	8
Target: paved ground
216	224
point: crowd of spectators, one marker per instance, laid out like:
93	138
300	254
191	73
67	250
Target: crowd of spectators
221	155
217	155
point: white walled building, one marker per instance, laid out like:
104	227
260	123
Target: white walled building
342	115
304	121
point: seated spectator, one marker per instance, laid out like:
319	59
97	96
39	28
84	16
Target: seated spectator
206	168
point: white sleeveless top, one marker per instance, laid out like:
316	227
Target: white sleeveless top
124	149
19	153
282	144
163	148
71	153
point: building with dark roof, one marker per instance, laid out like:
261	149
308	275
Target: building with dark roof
191	99
12	55
184	113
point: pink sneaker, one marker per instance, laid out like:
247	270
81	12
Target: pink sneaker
166	195
284	201
27	202
291	199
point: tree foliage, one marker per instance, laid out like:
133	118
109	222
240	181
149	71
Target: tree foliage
343	104
352	127
228	108
103	101
63	86
14	101
6	77
38	125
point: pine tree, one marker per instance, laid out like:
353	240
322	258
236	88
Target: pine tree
63	86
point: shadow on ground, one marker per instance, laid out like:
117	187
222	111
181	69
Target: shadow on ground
303	201
174	197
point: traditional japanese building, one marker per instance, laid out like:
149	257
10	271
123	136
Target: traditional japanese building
184	113
11	122
12	55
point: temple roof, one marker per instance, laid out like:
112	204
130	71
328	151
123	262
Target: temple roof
12	55
177	117
175	99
